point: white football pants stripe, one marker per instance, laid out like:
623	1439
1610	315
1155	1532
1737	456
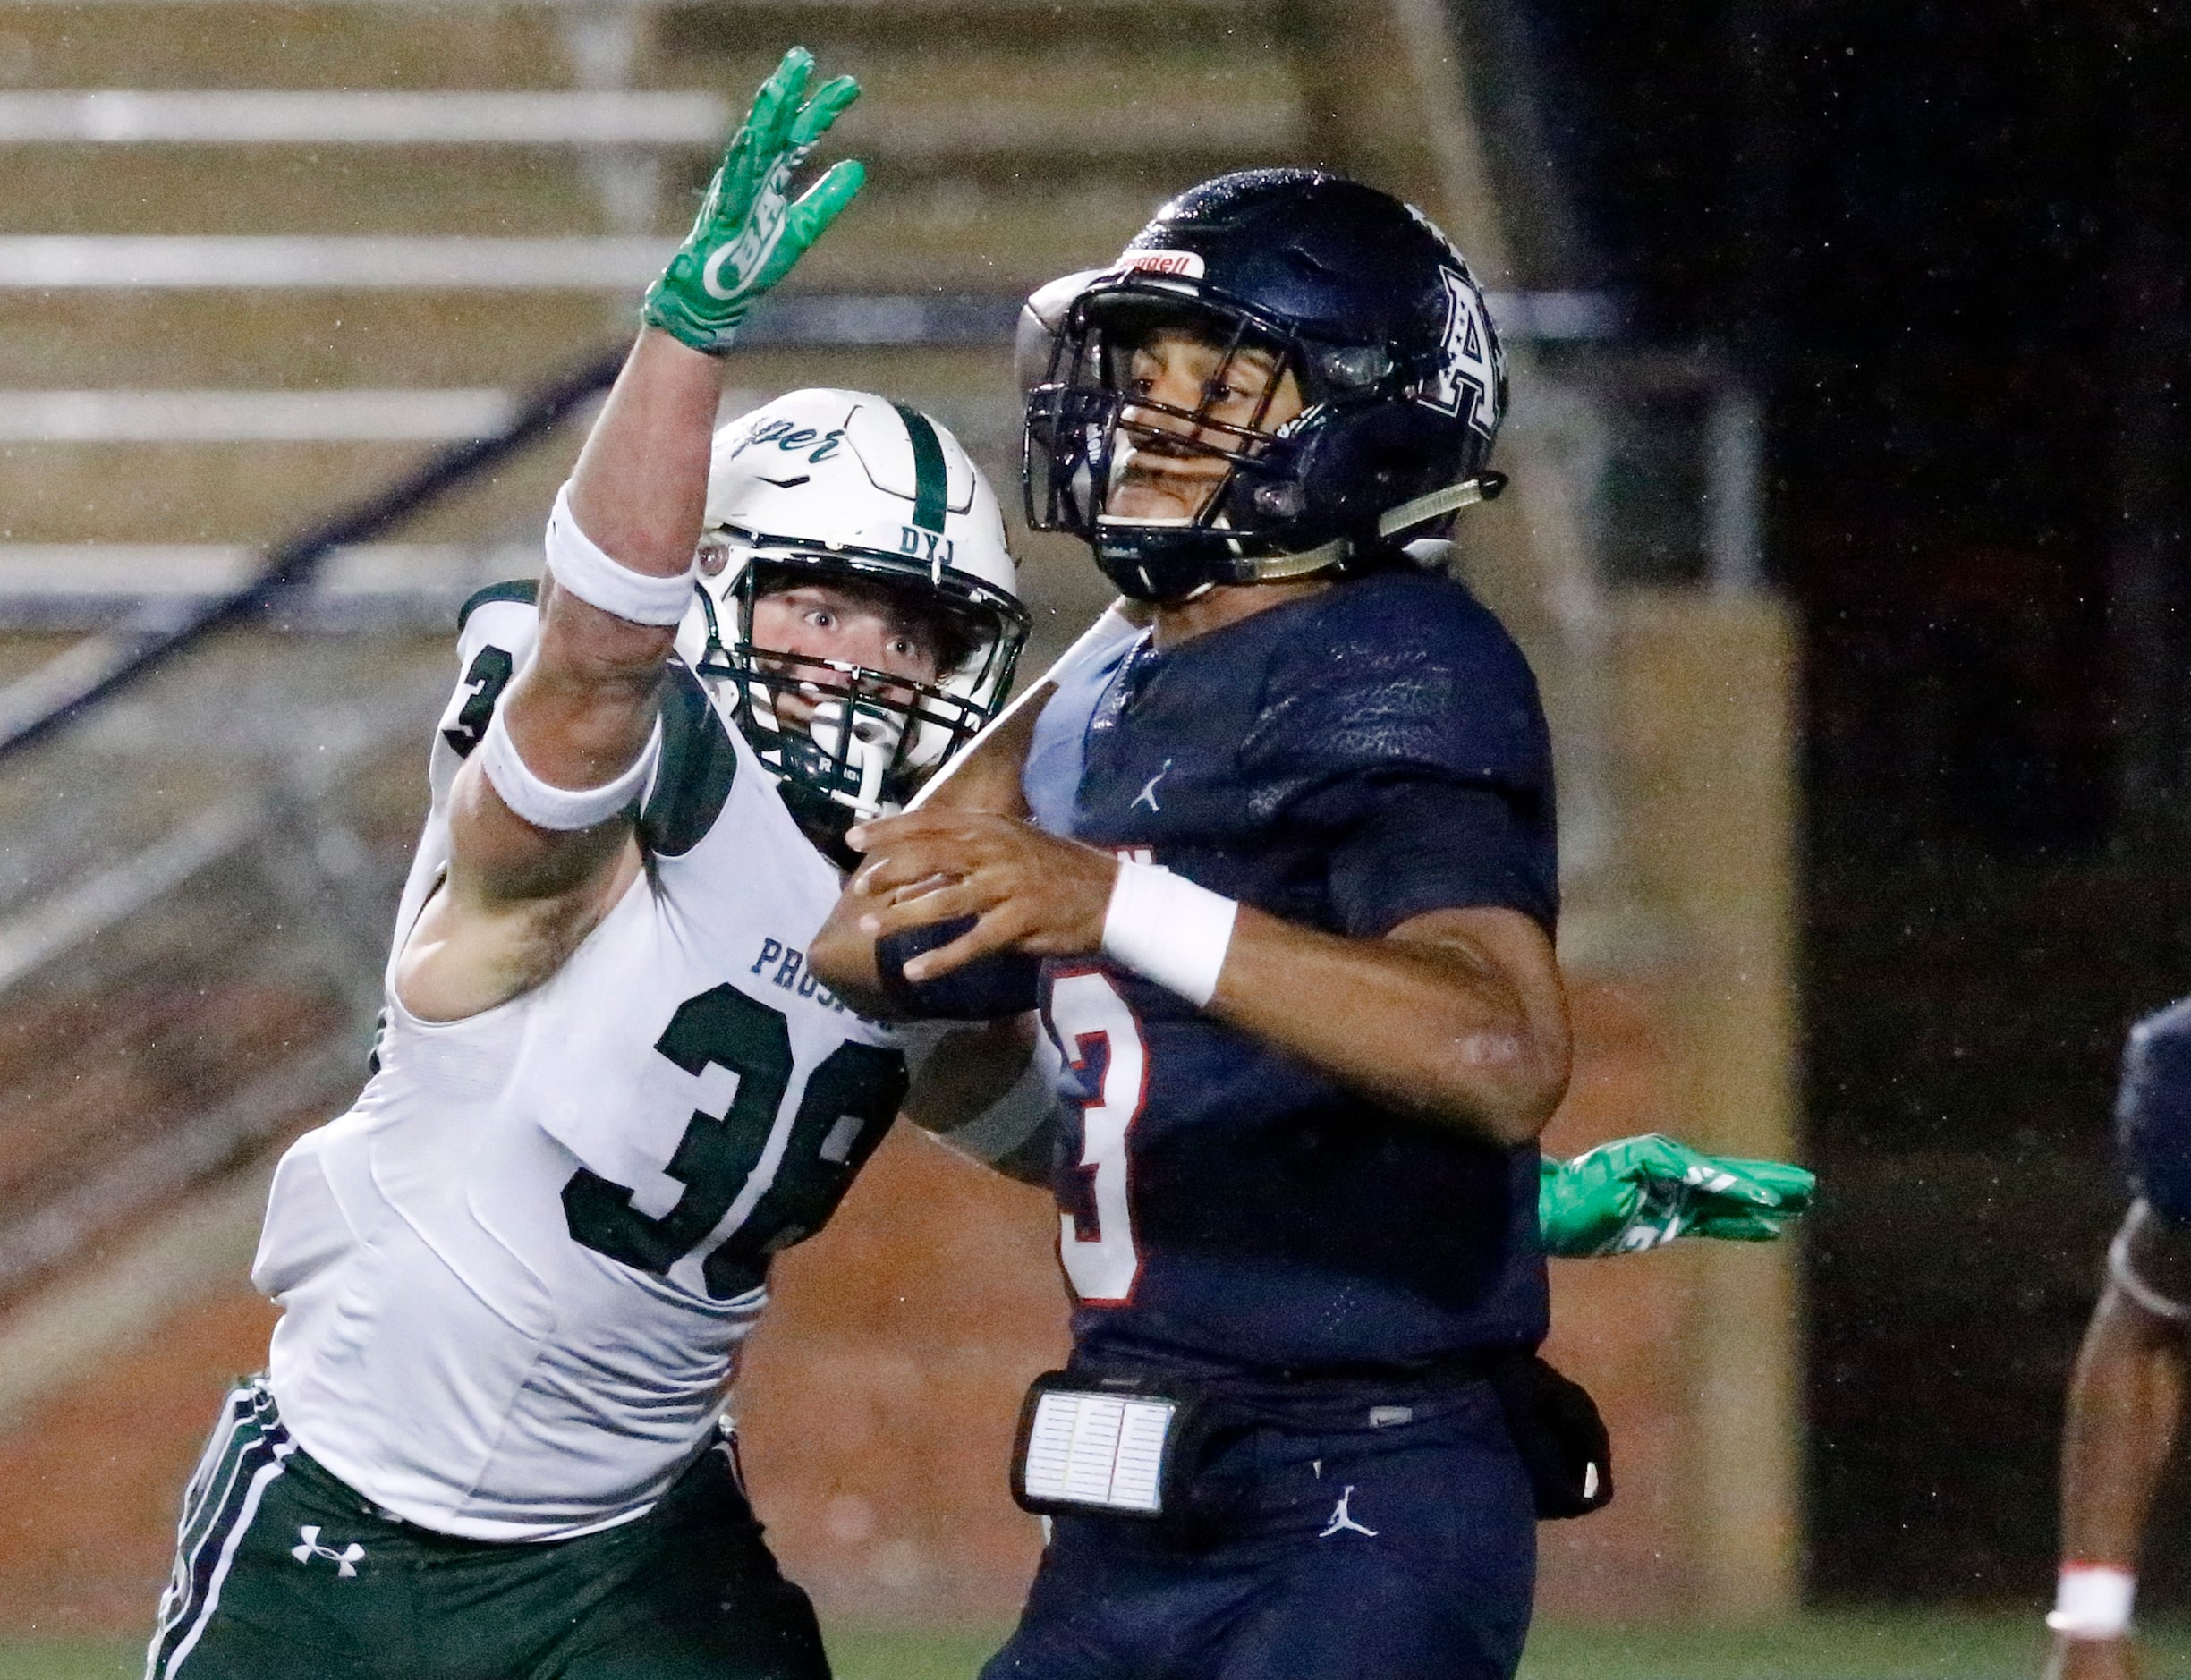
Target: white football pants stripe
221	1448
266	1474
247	1446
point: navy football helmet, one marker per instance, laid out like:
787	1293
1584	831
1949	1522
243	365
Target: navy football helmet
1358	297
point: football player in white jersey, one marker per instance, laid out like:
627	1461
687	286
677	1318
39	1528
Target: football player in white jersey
515	1276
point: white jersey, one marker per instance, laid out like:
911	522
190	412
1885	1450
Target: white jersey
515	1276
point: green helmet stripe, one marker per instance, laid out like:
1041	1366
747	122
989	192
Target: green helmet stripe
928	496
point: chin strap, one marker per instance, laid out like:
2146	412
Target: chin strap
1453	497
1278	567
872	745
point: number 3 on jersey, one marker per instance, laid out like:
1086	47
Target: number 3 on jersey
1100	1038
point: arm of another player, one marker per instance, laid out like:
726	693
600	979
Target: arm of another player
2125	1402
1458	1016
580	712
1642	1192
979	1093
982	1092
541	831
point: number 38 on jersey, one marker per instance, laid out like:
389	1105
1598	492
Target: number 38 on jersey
755	1180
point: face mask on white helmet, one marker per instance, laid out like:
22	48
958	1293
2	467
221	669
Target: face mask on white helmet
879	509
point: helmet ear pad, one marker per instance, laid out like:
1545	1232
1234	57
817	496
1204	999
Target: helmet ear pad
1352	462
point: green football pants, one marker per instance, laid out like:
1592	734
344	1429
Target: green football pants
283	1573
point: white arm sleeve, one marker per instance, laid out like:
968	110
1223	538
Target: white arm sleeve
1096	643
1009	1123
1006	1125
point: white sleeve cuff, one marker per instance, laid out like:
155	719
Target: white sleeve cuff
2092	1601
601	580
2144	1295
559	810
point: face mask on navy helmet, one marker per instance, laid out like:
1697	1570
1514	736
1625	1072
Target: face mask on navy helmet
875	500
1294	282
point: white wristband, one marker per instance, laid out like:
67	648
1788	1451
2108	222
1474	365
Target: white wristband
2126	1278
600	580
559	810
1167	930
2092	1601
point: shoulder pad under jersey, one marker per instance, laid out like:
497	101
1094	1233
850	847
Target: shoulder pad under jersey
698	763
523	590
490	645
1394	674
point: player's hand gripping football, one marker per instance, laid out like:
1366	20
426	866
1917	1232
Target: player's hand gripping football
1640	1193
750	231
1030	891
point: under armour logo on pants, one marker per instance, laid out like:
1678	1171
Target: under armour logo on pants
345	1561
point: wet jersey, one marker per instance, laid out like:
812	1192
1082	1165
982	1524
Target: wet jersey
515	1276
2152	1110
1346	761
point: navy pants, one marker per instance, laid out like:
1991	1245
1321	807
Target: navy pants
1372	1551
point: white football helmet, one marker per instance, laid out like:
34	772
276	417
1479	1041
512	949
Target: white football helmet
849	490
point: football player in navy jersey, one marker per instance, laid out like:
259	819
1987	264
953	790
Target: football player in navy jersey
1291	888
2126	1400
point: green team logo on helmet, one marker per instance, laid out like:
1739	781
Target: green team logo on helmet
750	231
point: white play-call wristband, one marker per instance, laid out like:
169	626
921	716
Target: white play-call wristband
1167	930
2092	1601
559	808
600	580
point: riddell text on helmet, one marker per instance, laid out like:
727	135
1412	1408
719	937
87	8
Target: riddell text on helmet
1187	264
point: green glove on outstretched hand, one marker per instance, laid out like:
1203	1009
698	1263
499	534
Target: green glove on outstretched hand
748	232
1639	1193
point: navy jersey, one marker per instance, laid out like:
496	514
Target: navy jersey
1345	761
2152	1110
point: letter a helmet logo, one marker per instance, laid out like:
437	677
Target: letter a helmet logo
1463	383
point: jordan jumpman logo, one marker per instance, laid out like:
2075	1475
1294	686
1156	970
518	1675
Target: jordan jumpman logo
1148	794
1341	1519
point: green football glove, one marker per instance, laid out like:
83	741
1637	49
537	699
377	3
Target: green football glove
1639	1193
748	232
